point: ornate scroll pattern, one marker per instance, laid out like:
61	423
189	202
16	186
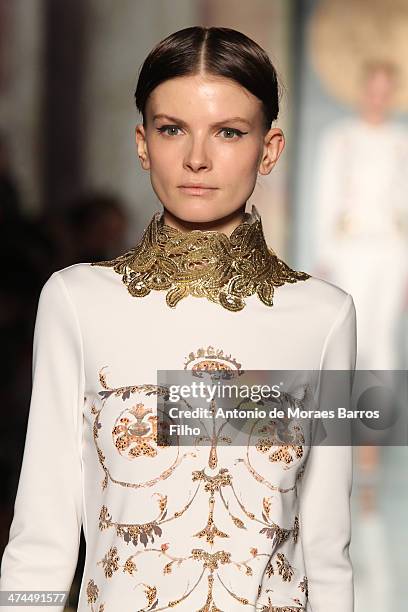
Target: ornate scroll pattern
209	564
224	269
133	433
135	436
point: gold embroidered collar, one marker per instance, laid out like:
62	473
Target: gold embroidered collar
204	263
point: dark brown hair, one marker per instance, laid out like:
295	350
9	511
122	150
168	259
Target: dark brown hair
370	67
222	52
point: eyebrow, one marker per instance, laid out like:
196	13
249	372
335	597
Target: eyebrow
217	124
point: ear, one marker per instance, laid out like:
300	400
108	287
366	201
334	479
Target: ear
274	143
141	145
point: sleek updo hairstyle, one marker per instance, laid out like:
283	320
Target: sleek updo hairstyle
221	52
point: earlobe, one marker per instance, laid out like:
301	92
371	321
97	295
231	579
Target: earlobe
273	147
144	162
268	161
266	166
141	147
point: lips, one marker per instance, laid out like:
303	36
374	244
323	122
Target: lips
202	185
197	189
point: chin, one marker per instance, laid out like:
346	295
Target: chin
198	212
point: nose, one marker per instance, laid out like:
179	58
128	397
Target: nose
196	157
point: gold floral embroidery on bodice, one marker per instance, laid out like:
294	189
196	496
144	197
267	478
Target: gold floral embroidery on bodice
223	515
204	263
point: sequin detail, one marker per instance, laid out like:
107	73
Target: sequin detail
204	263
213	495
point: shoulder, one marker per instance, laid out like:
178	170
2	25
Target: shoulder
339	128
79	283
322	291
79	276
340	136
317	298
399	133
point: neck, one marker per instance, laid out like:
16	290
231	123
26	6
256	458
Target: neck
373	116
226	224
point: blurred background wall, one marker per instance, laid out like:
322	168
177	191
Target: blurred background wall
71	189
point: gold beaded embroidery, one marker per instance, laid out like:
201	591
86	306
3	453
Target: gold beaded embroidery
110	562
92	592
210	562
303	586
204	263
146	536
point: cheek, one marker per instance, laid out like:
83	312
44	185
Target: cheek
240	162
161	162
159	152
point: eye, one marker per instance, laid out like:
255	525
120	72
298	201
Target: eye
164	128
234	131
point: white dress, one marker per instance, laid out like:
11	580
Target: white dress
362	228
161	524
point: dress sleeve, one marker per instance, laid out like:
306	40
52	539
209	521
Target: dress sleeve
42	550
325	490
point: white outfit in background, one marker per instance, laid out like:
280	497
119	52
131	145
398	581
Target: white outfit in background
362	228
97	350
362	239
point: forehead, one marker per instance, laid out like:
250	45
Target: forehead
203	96
380	73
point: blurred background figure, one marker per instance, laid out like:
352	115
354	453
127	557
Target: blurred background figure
98	224
362	215
361	232
9	195
26	253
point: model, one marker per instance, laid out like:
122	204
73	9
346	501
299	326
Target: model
205	526
362	230
362	215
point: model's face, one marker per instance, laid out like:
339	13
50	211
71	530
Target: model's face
207	131
378	91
